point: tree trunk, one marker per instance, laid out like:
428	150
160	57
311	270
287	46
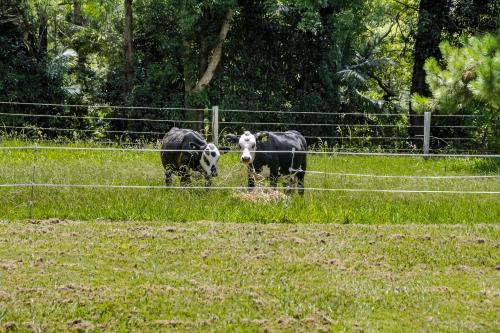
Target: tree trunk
216	53
43	32
196	89
77	17
128	51
432	14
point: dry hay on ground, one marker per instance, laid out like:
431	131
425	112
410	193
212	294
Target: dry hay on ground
260	195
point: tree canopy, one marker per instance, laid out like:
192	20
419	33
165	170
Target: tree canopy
325	56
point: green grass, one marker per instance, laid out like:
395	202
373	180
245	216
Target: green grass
59	275
422	262
144	168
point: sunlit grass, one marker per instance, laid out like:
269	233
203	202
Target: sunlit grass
144	168
59	275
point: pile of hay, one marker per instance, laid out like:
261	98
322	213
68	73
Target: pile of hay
260	195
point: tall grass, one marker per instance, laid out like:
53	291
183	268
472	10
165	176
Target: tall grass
144	168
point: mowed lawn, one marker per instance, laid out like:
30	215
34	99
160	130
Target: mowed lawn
144	169
132	259
61	275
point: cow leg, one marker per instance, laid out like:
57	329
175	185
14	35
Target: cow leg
251	178
300	182
288	184
274	175
251	182
185	176
185	179
208	182
168	177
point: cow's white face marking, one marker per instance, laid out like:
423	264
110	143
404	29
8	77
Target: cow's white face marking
248	145
209	159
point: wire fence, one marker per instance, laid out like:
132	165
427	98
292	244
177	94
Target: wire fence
132	132
56	175
354	128
363	128
241	188
360	114
310	152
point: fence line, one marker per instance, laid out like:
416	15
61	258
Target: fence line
80	130
401	177
307	171
362	137
312	152
222	122
378	148
470	138
101	106
340	125
97	118
313	113
192	121
237	110
48	185
349	113
215	125
315	125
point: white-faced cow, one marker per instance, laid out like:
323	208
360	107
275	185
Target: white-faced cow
282	153
184	150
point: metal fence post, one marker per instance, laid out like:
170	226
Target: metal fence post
215	125
427	134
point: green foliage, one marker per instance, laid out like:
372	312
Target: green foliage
468	83
470	80
316	56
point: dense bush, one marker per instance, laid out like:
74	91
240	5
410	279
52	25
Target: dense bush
468	83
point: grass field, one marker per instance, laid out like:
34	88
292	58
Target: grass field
59	275
131	259
144	168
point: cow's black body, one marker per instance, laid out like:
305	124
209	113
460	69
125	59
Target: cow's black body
181	162
284	153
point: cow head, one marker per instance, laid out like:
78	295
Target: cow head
248	144
209	156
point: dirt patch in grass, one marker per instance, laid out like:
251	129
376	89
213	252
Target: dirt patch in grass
52	221
80	325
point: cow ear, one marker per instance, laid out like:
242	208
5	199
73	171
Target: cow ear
223	150
231	138
262	136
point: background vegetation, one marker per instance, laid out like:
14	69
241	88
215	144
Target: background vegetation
315	56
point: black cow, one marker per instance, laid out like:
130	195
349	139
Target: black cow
184	150
283	153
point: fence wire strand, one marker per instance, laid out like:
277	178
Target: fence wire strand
102	106
312	152
242	188
239	110
96	118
